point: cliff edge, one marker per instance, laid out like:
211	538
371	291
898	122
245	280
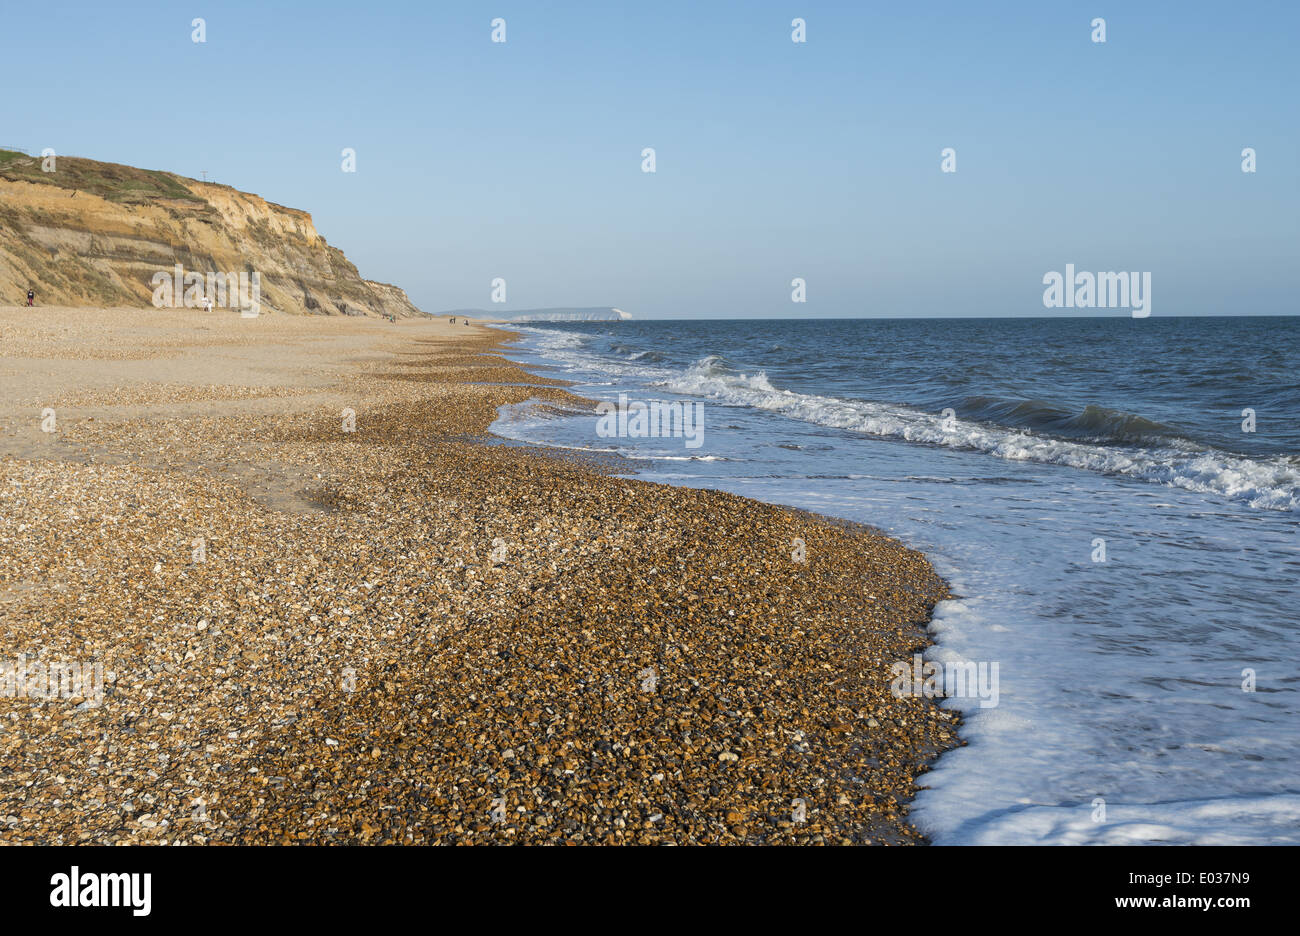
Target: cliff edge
96	234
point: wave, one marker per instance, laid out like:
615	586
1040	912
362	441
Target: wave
1270	483
1094	423
632	354
699	458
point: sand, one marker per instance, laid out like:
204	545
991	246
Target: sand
389	628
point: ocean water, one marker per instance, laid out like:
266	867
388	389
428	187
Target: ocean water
1124	551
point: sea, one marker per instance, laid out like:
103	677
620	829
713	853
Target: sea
1115	503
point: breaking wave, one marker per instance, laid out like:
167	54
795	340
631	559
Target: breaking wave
1105	440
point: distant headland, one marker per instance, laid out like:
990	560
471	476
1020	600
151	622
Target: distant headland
584	314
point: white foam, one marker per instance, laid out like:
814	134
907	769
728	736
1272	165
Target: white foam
1118	680
1235	820
702	458
1272	483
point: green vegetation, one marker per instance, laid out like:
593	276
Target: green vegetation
111	181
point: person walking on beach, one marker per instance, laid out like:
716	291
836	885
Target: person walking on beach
31	298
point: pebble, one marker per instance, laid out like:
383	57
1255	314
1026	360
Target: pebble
360	671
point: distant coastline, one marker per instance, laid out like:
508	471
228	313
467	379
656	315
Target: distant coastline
562	314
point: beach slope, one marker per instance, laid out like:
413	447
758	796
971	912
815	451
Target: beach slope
329	608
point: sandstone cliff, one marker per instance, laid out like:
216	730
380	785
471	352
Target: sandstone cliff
92	233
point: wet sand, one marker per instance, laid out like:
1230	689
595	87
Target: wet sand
391	628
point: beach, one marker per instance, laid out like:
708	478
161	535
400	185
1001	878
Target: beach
329	607
1108	543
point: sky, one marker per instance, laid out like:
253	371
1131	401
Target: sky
773	159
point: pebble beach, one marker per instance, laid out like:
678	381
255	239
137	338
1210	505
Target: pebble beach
330	608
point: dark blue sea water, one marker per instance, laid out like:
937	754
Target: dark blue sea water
1123	548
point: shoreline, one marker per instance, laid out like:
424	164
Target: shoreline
410	632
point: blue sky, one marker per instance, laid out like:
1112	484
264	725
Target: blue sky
774	159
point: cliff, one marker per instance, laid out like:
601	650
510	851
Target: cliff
96	234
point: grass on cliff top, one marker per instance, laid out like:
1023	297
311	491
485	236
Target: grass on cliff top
108	180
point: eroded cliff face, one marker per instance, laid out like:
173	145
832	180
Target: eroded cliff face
93	233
